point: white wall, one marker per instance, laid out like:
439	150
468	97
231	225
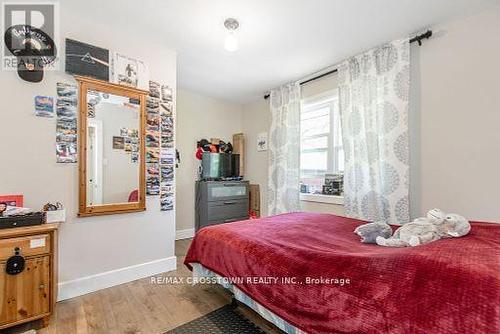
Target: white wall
199	117
460	116
95	245
454	117
256	119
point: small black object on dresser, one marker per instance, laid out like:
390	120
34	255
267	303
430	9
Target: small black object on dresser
29	219
219	202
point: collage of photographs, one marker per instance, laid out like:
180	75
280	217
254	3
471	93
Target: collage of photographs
160	154
160	151
66	124
128	140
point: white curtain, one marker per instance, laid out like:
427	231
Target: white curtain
374	94
284	150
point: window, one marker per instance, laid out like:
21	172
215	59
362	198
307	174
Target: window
320	141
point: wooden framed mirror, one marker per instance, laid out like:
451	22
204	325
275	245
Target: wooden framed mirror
111	148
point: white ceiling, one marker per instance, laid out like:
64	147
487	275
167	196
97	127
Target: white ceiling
280	40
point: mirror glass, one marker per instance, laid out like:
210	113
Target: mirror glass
113	150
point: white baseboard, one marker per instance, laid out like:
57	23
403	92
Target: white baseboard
84	285
184	234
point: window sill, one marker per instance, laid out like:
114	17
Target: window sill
328	199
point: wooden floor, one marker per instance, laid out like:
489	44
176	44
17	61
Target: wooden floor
140	307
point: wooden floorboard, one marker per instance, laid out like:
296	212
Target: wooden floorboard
140	307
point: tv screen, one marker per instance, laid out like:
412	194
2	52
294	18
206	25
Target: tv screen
220	165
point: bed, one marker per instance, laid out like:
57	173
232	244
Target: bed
308	273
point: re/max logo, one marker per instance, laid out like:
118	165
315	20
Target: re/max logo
39	15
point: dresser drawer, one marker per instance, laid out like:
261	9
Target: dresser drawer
29	246
229	220
227	209
218	222
226	190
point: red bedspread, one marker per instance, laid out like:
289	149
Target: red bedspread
449	286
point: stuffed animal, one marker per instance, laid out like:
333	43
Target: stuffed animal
454	226
437	225
369	232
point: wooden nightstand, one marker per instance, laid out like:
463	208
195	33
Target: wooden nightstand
31	294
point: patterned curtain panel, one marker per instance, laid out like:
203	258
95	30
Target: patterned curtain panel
374	94
284	150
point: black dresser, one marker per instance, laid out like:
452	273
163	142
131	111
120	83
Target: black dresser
219	202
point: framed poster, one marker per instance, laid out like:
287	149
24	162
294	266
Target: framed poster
87	60
130	72
262	141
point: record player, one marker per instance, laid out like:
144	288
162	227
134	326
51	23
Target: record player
29	219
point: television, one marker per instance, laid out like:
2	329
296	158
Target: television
217	166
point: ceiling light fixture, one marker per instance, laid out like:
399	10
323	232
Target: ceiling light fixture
231	42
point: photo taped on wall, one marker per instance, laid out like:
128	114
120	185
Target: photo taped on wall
66	126
66	152
124	132
153	139
152	105
66	90
66	112
152	169
167	141
154	89
167	201
152	155
153	122
66	138
152	185
167	157
167	173
166	93
166	109
118	143
44	106
133	133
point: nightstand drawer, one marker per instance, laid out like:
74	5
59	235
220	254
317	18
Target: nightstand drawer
30	294
26	295
29	246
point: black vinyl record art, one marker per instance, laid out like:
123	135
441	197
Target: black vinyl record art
33	48
87	60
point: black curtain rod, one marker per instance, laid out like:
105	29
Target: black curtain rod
418	39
